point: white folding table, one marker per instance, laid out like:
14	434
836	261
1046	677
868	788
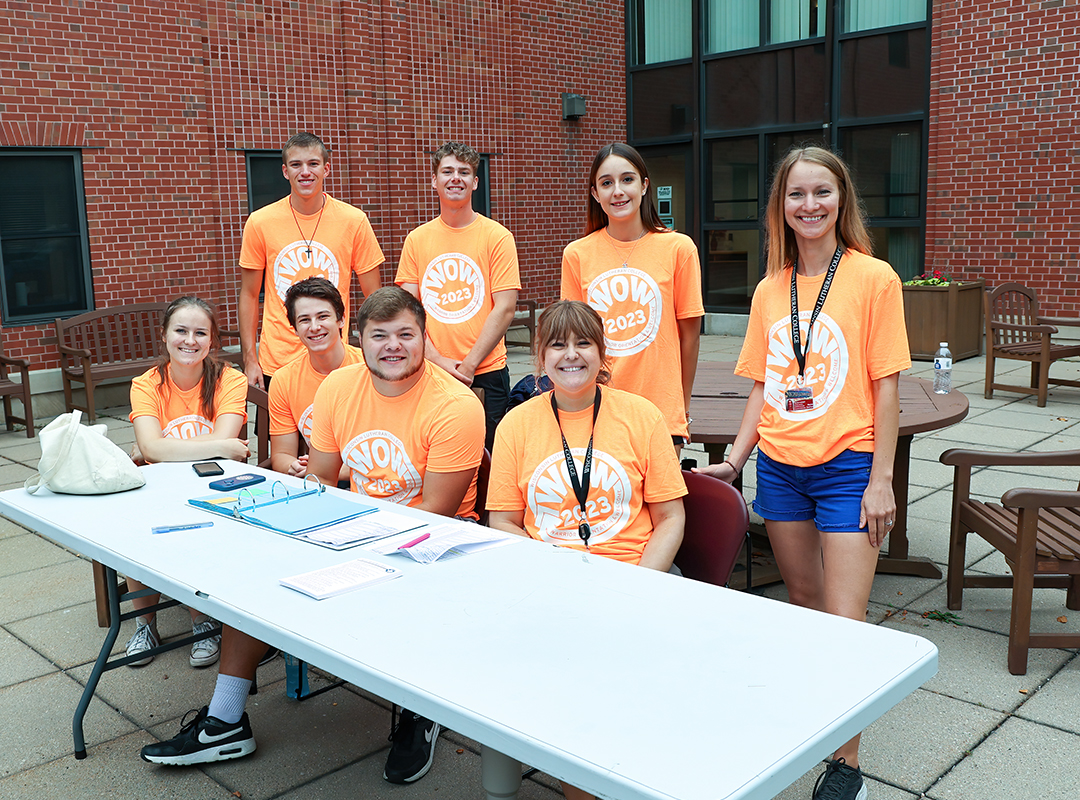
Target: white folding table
623	681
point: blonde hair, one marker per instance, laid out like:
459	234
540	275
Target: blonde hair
781	248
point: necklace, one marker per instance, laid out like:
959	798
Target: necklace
637	241
308	241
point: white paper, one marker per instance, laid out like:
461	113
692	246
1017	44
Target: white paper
340	578
444	541
369	527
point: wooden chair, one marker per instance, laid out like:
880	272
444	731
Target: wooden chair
1038	532
261	400
717	524
1015	330
9	388
483	473
526	323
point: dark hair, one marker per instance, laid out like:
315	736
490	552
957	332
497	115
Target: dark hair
304	140
781	247
595	218
386	303
462	152
317	288
212	365
566	319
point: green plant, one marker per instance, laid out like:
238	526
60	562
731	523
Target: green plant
935	278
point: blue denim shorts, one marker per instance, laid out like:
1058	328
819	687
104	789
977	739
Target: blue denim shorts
830	493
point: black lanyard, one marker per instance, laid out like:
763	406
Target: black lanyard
581	488
796	339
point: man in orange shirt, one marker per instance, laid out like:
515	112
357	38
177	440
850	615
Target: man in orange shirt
307	234
464	269
408	433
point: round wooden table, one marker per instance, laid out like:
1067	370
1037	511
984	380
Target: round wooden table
716	406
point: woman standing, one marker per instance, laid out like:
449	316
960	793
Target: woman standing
825	344
188	407
645	282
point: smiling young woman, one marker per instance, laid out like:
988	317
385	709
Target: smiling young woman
190	406
824	346
645	282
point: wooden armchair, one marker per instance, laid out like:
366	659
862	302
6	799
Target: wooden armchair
1038	532
1015	330
20	389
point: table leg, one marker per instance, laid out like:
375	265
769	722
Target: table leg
500	775
898	562
113	595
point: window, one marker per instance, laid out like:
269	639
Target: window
44	251
481	196
861	15
737	24
661	30
266	182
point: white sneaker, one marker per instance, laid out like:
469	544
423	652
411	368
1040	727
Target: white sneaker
206	651
145	638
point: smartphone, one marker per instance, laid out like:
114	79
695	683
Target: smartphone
236	482
205	469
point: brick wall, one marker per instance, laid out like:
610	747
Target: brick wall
165	100
1004	181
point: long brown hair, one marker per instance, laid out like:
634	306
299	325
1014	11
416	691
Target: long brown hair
212	365
781	247
564	320
596	219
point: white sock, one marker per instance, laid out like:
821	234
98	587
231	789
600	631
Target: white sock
230	697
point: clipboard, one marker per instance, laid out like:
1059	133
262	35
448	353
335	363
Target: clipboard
284	511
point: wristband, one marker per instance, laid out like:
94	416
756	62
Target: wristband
732	466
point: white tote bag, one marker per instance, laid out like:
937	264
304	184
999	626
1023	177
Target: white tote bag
80	459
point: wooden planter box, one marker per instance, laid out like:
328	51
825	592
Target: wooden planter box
952	314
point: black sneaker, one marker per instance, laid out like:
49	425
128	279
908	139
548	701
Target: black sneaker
202	740
413	748
840	782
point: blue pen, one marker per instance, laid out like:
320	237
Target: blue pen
188	527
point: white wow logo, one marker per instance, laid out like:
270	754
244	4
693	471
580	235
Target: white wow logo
629	301
827	364
609	497
453	288
293	264
188	427
381	467
305	424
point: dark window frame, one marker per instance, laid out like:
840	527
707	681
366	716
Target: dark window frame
251	156
81	271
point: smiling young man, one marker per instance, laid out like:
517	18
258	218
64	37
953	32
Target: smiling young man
408	433
464	269
307	234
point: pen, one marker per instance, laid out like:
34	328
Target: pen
415	541
188	527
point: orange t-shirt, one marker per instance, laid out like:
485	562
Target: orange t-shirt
633	464
292	393
273	242
180	413
457	270
858	337
390	443
641	304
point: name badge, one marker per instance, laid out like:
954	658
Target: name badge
798	400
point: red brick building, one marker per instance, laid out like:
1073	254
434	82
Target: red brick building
153	118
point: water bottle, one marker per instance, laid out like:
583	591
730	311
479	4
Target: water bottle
943	369
296	682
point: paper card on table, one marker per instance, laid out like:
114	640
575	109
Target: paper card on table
448	540
369	528
341	578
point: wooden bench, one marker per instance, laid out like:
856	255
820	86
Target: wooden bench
524	319
118	342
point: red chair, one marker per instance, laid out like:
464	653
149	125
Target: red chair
717	525
483	473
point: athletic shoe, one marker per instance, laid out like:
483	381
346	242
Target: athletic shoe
205	651
145	638
840	782
270	654
413	748
202	740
